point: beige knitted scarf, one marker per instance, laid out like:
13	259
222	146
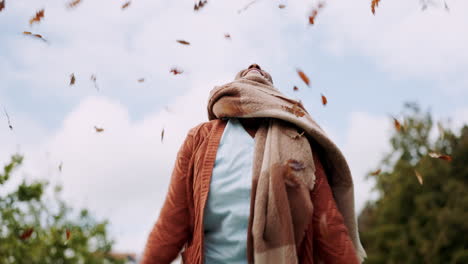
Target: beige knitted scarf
283	168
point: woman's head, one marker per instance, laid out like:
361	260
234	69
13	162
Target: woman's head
254	72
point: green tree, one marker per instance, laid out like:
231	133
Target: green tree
419	223
35	231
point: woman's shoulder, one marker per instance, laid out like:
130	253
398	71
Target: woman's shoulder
203	130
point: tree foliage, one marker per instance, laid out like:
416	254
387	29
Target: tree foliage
36	230
419	223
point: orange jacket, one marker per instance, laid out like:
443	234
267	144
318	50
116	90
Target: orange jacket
180	223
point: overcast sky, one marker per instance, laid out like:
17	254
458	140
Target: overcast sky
366	65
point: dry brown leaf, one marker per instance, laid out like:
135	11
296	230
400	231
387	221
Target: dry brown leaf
26	233
199	5
227	35
303	77
72	79
98	129
162	135
324	100
419	176
8	118
295	89
376	172
374	4
183	42
176	71
2	5
323	225
60	166
37	18
396	124
298	135
436	155
315	12
141	80
296	110
38	36
73	3
126	4
281	6
68	234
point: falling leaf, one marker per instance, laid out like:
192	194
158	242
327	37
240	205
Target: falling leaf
73	3
127	4
246	6
227	35
37	18
176	71
68	234
295	89
397	124
26	233
162	135
323	225
374	4
281	6
183	42
8	118
436	155
94	80
98	129
419	176
375	173
60	166
199	5
303	77
298	135
324	100
2	5
141	80
315	12
72	79
27	33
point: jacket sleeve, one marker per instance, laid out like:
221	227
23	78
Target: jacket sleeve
172	228
331	242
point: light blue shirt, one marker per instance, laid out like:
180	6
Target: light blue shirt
228	206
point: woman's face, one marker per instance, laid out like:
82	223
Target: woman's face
255	70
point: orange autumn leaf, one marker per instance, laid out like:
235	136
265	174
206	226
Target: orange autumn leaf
419	176
303	77
26	233
37	18
323	225
38	36
73	3
141	80
377	172
296	110
374	4
324	100
125	5
281	6
436	155
2	5
183	42
72	79
98	129
68	234
176	71
315	12
295	89
396	124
